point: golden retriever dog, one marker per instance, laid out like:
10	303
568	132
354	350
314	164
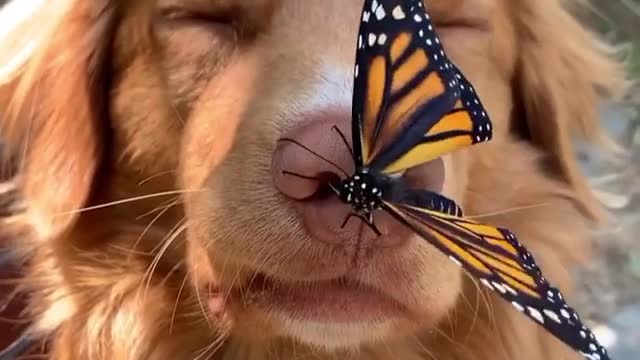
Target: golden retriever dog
156	221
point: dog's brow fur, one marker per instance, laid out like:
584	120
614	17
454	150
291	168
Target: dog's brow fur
165	131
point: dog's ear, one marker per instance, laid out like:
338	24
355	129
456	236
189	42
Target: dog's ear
51	105
562	72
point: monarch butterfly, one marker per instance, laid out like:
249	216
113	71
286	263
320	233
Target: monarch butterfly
411	104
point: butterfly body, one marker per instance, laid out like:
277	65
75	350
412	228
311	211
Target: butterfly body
367	191
364	191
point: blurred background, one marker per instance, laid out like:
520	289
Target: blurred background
609	289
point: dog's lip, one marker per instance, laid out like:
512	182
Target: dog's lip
339	300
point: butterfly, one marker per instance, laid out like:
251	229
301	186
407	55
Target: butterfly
411	105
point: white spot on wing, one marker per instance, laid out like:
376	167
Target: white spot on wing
499	287
380	13
455	260
398	13
535	314
372	39
486	283
517	306
510	289
552	315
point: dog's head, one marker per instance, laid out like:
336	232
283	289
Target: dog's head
169	111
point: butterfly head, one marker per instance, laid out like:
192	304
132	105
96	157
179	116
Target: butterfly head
363	191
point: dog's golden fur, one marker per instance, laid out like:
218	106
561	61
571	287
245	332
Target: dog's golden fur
107	100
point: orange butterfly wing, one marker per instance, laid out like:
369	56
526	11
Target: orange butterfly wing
495	257
404	82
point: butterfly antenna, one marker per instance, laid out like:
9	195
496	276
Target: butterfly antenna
300	175
316	154
344	138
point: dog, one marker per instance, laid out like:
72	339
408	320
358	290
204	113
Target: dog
155	220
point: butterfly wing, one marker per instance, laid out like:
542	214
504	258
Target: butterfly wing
411	104
467	124
403	81
499	261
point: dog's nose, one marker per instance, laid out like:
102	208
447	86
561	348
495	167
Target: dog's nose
313	149
303	158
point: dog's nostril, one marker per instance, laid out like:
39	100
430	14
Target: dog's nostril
325	181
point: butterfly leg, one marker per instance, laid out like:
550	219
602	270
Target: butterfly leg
368	221
344	138
346	220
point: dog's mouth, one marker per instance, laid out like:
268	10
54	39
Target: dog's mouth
338	301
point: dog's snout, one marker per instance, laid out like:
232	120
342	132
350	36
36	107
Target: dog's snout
306	159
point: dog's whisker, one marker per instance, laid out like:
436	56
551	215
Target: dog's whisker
162	251
476	315
200	303
493	323
178	266
162	173
484	296
148	227
154	263
177	301
162	207
169	234
129	200
230	289
424	348
507	211
175	109
476	310
5	301
386	344
221	279
261	261
130	251
210	349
